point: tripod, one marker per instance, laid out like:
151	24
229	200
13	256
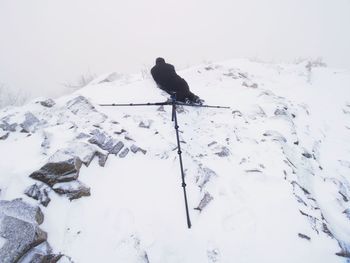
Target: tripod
173	104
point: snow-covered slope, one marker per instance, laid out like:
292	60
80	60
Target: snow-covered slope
267	180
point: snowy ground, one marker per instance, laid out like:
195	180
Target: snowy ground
270	176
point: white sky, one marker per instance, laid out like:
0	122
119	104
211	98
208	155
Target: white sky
47	42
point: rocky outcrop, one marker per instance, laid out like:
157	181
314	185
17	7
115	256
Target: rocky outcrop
30	123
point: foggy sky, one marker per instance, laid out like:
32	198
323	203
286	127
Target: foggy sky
47	42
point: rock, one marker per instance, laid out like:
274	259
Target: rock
82	107
224	152
106	142
82	135
207	198
41	254
56	172
102	158
136	149
347	213
21	210
275	135
30	123
4	135
345	249
124	153
280	112
146	124
39	193
307	155
161	108
205	174
212	143
47	103
304	236
8	127
73	190
19	229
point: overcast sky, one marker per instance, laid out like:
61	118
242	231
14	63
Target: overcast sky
46	42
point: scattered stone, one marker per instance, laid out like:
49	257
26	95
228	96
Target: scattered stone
250	85
213	255
161	108
73	190
30	123
82	135
124	153
205	175
208	68
47	103
304	236
237	113
4	135
120	132
106	142
224	152
347	213
8	127
207	198
38	193
345	250
307	155
146	125
276	136
253	171
102	158
136	149
280	112
56	172
212	143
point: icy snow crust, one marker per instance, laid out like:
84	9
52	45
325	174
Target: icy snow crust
267	181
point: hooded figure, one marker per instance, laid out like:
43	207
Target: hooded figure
165	76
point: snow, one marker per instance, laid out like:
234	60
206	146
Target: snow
262	186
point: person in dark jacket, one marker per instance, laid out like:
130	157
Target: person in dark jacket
165	76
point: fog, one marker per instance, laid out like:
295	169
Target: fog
46	43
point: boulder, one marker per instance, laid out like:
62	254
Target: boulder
224	152
58	171
4	135
124	153
204	176
19	228
106	142
8	127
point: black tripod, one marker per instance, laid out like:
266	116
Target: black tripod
173	103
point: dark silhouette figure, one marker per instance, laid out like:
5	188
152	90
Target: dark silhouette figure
165	76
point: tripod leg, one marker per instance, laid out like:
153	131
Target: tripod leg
174	118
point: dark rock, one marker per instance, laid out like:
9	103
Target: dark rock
73	190
224	152
345	250
304	236
253	171
307	155
280	112
4	135
30	122
40	254
124	153
57	172
347	213
8	127
207	198
136	149
146	125
120	132
47	103
39	193
212	143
